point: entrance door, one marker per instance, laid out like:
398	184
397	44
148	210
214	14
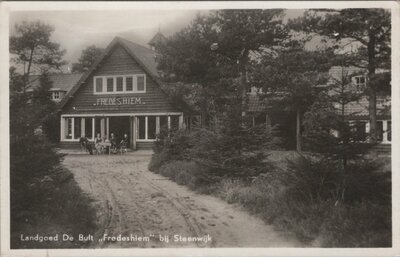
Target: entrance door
119	126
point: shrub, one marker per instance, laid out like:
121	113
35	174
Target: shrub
187	173
44	196
303	200
365	224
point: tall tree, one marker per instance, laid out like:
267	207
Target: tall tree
291	77
88	57
214	52
368	29
33	49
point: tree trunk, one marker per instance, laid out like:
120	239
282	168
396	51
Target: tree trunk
298	130
371	88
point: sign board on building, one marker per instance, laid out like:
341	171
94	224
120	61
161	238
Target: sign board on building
119	101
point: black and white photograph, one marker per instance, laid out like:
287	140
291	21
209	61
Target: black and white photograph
227	126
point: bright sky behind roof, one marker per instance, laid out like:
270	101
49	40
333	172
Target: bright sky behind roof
75	30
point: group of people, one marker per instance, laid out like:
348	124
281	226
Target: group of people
113	146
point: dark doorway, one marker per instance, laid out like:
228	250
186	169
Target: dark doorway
119	126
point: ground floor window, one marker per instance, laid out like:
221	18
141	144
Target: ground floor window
68	131
147	127
174	123
151	127
389	130
77	128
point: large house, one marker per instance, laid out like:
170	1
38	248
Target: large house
120	94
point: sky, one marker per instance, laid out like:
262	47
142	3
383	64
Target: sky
75	30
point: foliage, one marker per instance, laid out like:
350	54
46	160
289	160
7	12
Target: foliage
368	30
43	195
290	77
88	57
302	200
33	48
327	128
213	54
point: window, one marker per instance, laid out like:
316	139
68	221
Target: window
361	82
389	130
147	126
68	131
174	123
140	84
110	84
55	95
77	128
99	84
163	123
129	84
120	84
142	127
151	127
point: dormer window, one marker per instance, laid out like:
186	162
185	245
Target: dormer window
119	84
55	95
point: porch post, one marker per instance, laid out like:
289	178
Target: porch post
158	125
134	132
83	127
73	127
169	122
93	128
181	121
145	127
62	128
108	127
102	132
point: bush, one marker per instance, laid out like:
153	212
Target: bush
365	224
187	173
44	196
303	200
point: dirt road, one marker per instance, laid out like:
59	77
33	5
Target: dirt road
144	209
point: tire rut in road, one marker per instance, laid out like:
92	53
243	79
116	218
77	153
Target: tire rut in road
192	223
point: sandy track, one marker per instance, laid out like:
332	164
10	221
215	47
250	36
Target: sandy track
130	200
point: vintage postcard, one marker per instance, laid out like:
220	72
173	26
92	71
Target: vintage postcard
199	128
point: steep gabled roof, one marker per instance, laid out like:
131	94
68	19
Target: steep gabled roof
61	81
145	57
